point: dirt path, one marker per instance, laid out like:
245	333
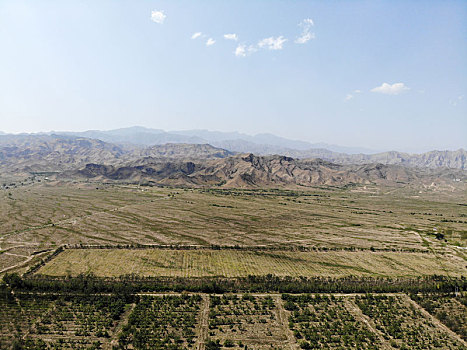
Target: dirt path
113	340
19	255
20	264
358	314
435	321
70	220
282	318
203	324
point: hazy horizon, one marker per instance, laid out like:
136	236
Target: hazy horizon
362	148
387	75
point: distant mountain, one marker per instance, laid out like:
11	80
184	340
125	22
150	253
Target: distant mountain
434	159
271	171
22	154
26	153
180	151
68	151
138	135
260	141
206	165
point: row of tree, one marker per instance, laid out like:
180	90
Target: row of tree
129	284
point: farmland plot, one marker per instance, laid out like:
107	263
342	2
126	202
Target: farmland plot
246	322
240	263
165	322
449	309
324	322
60	322
405	326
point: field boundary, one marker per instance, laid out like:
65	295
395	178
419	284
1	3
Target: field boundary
33	269
132	284
435	320
293	248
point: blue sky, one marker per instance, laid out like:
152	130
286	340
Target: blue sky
377	74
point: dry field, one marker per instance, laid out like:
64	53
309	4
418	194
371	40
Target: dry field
236	263
38	217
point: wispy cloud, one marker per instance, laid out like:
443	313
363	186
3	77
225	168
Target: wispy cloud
196	35
272	43
350	96
306	34
232	36
388	89
210	42
456	101
158	16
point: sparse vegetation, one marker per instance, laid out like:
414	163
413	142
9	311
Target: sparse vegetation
166	322
324	322
403	325
448	308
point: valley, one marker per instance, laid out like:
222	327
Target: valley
193	247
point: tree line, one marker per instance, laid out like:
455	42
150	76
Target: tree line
130	284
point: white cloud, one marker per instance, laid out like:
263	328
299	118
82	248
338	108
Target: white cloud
196	35
158	16
232	36
304	38
272	43
357	91
210	42
388	89
306	34
348	97
240	51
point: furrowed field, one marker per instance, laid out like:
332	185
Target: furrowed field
241	263
37	218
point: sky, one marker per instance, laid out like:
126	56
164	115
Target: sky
385	75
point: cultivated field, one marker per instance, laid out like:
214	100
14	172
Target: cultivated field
36	218
236	321
241	263
61	322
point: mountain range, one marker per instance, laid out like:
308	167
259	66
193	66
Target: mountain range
249	170
198	163
259	143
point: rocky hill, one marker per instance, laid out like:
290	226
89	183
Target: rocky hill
248	170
